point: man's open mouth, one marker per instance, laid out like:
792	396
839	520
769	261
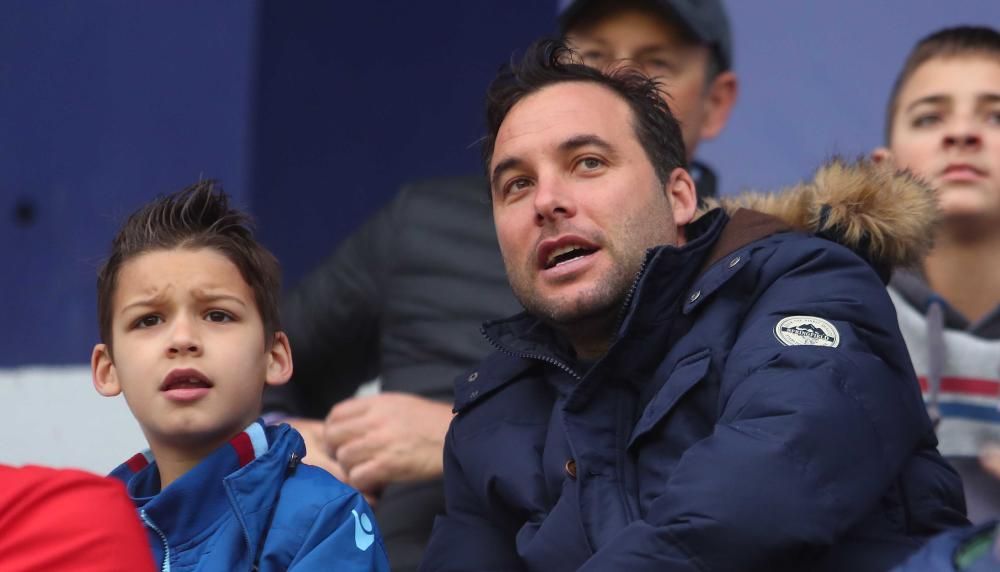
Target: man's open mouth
567	253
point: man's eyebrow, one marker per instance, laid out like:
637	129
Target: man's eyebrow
988	97
505	165
578	141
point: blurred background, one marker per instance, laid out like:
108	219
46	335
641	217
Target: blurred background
312	114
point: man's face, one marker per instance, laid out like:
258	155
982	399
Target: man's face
947	130
662	52
189	348
577	203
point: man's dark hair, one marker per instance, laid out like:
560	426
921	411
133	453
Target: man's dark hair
196	217
949	42
549	62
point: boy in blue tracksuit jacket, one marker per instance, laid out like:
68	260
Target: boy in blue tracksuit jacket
188	312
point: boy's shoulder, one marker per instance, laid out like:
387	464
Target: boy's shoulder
317	518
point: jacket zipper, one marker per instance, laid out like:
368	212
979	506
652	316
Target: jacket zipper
528	355
166	547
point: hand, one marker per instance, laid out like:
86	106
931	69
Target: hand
989	458
386	438
317	453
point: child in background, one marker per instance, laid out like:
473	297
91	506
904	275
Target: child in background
943	124
188	311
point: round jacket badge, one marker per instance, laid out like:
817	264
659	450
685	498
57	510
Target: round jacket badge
806	331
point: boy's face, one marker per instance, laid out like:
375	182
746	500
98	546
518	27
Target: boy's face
947	131
189	349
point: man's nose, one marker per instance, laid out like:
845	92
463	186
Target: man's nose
184	337
553	200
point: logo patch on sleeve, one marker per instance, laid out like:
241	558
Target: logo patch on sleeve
806	331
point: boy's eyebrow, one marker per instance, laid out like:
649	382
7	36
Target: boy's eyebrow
929	99
989	97
201	295
209	297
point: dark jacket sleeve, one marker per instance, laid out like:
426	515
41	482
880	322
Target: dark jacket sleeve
333	321
468	532
808	438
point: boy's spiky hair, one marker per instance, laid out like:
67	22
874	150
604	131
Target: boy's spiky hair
196	217
949	42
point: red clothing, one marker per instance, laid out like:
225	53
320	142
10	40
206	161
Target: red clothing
64	519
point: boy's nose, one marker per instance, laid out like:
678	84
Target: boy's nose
184	339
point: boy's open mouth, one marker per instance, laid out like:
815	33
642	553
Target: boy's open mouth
185	379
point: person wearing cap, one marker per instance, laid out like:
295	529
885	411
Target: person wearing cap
686	45
403	298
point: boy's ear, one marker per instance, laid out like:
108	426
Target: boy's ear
102	368
882	155
279	360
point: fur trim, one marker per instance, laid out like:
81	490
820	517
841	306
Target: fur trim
886	216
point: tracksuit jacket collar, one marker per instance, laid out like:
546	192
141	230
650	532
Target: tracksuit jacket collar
239	476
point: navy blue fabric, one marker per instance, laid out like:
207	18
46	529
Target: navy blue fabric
700	441
274	513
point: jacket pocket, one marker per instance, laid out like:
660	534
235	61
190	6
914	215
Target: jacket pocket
686	374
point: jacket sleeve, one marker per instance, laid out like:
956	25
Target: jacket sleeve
467	532
808	437
343	536
333	321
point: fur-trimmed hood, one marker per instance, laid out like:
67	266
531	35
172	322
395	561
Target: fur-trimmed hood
886	216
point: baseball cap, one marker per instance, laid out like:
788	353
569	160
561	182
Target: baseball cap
706	20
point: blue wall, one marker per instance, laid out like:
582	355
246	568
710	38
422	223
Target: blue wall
358	98
314	113
102	105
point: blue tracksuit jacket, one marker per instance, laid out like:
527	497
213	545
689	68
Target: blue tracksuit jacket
757	410
251	505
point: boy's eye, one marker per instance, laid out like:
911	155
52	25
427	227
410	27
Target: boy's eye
218	316
148	321
925	120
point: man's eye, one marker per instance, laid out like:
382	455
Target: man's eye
591	163
148	321
218	316
594	58
993	117
656	67
516	185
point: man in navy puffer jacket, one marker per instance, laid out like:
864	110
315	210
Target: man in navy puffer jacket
683	392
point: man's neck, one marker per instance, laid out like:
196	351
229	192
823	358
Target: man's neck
966	272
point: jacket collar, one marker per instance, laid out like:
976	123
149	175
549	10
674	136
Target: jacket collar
241	476
669	276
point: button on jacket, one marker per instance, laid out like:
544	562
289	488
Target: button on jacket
756	411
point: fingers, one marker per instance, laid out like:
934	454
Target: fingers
338	433
989	458
350	408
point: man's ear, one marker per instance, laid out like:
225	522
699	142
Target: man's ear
719	99
681	194
881	155
279	360
102	369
